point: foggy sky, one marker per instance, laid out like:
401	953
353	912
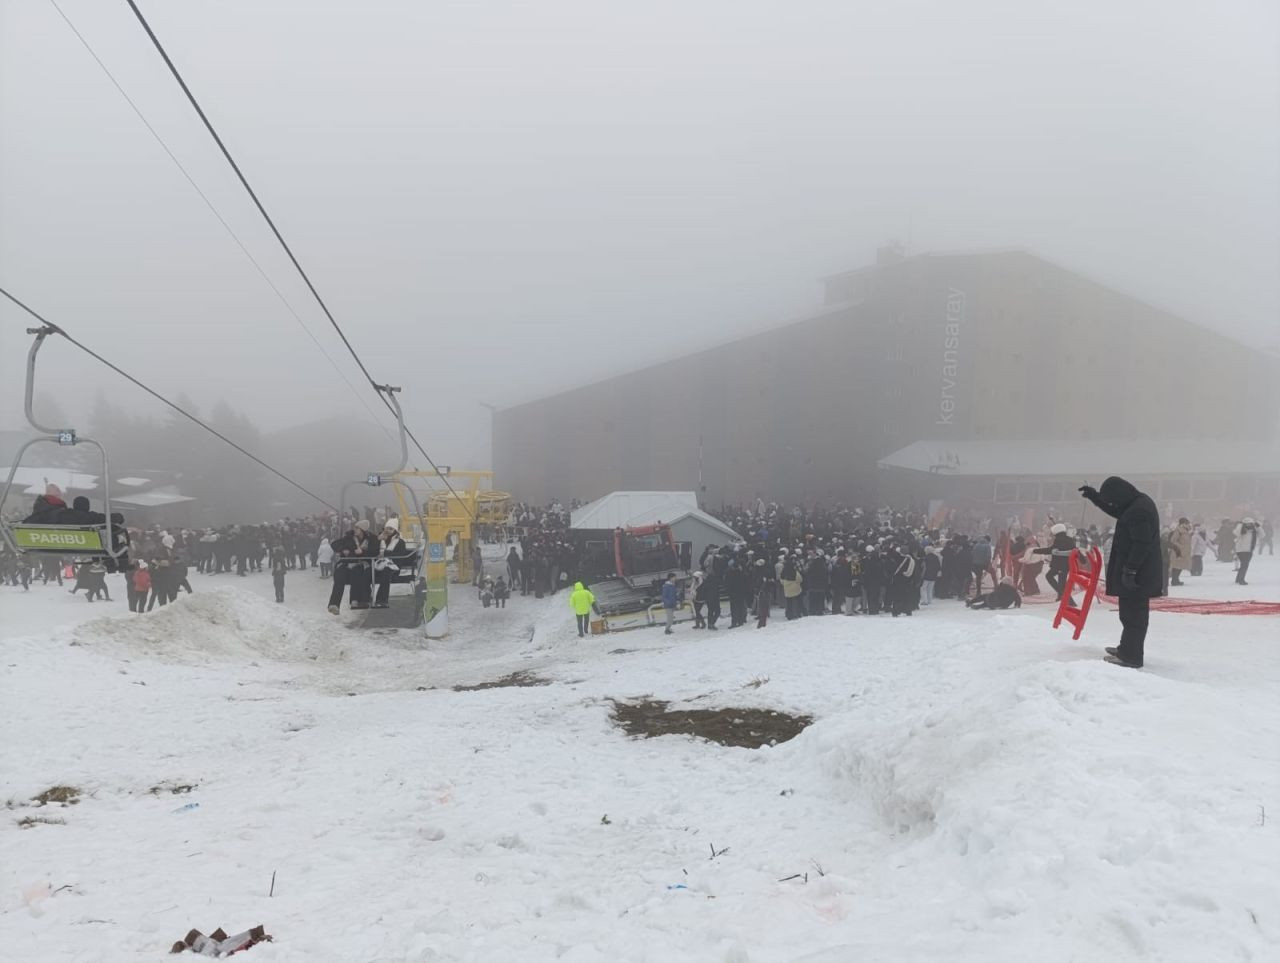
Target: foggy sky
503	199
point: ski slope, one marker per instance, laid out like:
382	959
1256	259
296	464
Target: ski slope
975	786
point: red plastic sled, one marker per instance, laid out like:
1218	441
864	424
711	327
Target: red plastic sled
1079	576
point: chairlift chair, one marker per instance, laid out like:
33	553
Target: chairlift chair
410	569
77	540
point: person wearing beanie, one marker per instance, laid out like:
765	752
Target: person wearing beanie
392	554
1059	552
698	598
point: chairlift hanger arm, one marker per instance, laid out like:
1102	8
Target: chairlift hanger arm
57	436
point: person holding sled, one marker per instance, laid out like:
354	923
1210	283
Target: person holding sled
1059	552
1134	566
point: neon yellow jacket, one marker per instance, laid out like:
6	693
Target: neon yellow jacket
581	599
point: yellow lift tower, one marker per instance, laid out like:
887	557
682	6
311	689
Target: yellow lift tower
453	516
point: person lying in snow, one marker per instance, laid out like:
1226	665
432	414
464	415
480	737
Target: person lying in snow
1001	597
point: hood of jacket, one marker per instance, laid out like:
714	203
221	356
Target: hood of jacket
578	586
1118	492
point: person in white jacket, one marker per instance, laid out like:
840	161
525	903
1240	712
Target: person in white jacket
324	558
392	553
1199	549
1247	538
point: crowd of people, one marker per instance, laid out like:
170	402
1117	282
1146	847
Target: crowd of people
801	562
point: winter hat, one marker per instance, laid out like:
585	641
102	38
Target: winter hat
1247	520
1058	529
52	489
759	561
167	541
363	525
393	524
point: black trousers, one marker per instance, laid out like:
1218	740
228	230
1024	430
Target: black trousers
1135	613
1057	578
762	608
713	609
357	576
737	610
1245	559
817	602
584	624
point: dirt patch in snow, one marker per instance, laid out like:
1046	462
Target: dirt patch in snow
516	679
66	795
747	728
173	788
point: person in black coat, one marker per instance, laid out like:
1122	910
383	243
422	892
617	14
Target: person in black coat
1134	568
737	584
1002	596
352	556
841	583
817	579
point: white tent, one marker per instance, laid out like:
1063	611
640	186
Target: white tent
680	510
619	509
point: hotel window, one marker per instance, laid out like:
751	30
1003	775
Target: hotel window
1006	491
1052	491
1028	491
1175	488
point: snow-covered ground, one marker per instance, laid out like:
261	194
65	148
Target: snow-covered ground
975	786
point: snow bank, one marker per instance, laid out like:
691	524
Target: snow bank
1037	787
223	623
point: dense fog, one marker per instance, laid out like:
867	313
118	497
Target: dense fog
502	200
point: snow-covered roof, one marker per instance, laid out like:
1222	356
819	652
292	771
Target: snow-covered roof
1086	459
663	514
151	499
620	509
133	482
32	481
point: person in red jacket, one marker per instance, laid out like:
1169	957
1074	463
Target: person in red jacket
140	587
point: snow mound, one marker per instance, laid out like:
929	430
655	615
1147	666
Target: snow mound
223	623
1037	785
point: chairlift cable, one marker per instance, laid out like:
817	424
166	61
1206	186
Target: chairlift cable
216	213
155	394
280	237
